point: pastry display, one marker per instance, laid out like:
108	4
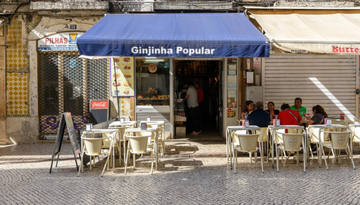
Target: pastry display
151	90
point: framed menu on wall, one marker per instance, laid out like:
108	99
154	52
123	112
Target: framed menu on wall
122	77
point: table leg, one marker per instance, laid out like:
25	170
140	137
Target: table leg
321	149
227	146
107	160
272	147
261	151
156	150
231	150
305	152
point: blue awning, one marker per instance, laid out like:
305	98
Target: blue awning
174	35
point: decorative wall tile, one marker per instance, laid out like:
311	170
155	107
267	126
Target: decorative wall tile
17	94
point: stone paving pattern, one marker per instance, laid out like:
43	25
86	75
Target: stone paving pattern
189	173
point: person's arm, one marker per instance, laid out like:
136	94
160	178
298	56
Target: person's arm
299	119
187	96
301	122
310	122
242	115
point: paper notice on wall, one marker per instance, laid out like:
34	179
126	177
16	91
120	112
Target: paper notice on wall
257	62
124	106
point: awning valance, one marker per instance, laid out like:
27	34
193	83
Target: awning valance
174	35
334	33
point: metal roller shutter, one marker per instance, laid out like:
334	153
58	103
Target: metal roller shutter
287	76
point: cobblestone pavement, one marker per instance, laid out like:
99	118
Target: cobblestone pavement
189	173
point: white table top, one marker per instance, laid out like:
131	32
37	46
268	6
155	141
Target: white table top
138	129
287	127
330	126
100	130
251	127
153	122
119	123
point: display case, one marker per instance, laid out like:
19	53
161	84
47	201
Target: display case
180	117
152	82
153	91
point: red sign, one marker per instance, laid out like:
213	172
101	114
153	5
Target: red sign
99	104
336	49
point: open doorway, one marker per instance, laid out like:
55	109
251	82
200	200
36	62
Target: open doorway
207	73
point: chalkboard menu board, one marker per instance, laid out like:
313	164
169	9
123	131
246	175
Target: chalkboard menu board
66	120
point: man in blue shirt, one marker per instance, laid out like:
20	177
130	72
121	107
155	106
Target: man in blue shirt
259	117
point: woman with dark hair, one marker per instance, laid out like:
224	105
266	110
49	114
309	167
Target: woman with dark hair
318	117
249	108
271	109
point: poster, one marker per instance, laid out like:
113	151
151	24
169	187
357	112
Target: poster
231	113
257	62
122	69
231	100
125	106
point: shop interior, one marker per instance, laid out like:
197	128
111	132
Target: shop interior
207	73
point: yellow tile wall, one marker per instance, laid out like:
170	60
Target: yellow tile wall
17	94
17	71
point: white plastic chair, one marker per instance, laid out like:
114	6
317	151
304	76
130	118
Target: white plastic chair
139	145
246	143
279	139
264	131
337	142
355	133
92	147
314	137
291	143
116	144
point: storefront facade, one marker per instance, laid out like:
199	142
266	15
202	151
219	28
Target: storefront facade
314	56
61	81
172	50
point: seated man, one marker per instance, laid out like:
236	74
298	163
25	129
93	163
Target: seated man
289	117
259	117
298	107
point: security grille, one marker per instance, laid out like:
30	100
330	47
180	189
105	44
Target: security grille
326	80
97	69
73	84
66	83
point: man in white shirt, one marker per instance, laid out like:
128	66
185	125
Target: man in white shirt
193	119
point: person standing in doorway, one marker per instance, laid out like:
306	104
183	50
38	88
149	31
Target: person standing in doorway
297	106
194	109
200	99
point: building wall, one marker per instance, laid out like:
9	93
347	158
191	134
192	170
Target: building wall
22	115
3	138
20	127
